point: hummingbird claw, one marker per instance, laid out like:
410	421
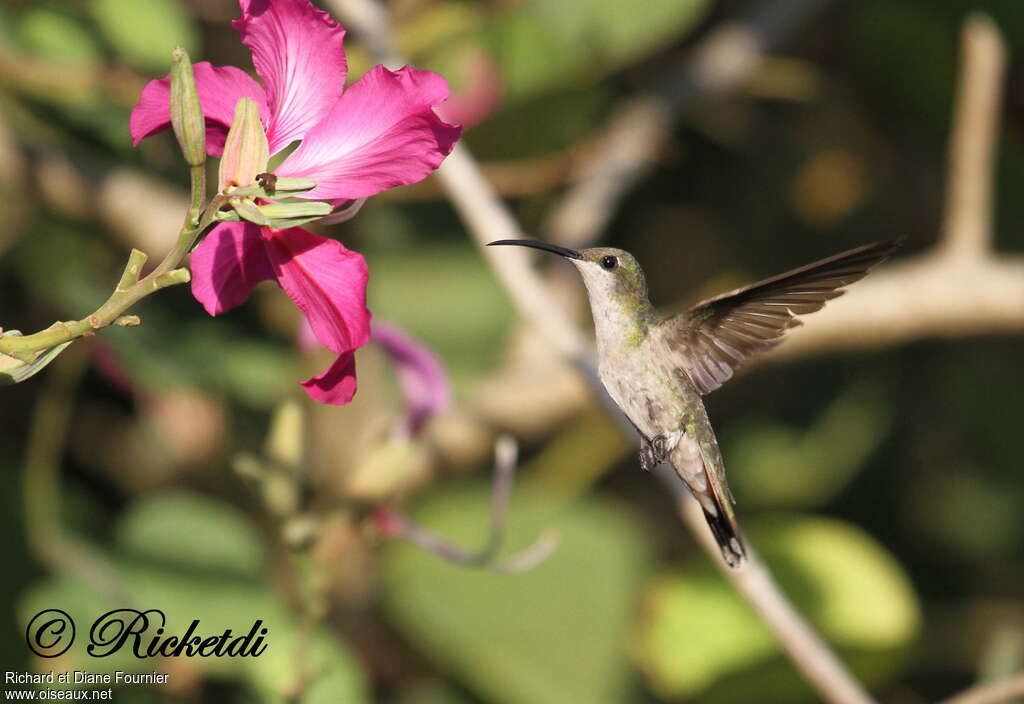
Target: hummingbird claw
647	462
654	452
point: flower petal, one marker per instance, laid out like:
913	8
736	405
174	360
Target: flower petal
326	281
337	385
227	264
381	133
481	93
219	88
420	374
297	51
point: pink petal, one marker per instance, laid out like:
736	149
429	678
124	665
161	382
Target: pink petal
305	340
381	133
326	281
110	364
227	264
219	89
420	374
297	51
481	94
337	385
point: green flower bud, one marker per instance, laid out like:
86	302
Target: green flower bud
292	185
245	150
294	213
186	112
248	210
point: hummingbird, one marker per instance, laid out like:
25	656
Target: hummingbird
658	367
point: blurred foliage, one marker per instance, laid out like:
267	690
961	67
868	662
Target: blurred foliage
781	466
697	634
554	634
199	559
138	30
898	470
462	314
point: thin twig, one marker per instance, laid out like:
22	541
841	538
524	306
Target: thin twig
395	525
967	225
720	64
487	218
753	580
961	287
990	693
130	289
45	534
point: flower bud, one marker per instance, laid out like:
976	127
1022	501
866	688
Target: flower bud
295	213
246	209
292	185
245	150
186	112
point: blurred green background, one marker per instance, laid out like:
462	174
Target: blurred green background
178	465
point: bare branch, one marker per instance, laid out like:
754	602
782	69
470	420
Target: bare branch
487	218
720	64
752	579
396	525
630	146
961	288
966	227
928	296
990	693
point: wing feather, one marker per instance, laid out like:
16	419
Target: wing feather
715	336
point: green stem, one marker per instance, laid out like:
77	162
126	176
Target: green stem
130	289
44	530
191	229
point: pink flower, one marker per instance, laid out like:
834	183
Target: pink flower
420	375
378	133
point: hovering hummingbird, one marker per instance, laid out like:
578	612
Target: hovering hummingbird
657	367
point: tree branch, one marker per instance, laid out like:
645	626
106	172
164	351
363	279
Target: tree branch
960	287
396	525
966	227
720	64
487	218
990	693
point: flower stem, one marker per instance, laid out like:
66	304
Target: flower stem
130	288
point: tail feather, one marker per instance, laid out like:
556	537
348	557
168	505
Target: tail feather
699	465
727	535
722	520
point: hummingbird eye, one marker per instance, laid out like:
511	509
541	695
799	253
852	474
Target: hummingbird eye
609	262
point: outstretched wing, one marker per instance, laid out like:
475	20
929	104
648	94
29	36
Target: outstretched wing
712	338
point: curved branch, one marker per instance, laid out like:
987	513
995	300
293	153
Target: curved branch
961	287
990	693
396	525
487	218
719	64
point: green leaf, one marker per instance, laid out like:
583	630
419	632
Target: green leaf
14	371
777	465
257	372
56	36
553	634
194	558
143	32
545	44
462	314
698	638
192	532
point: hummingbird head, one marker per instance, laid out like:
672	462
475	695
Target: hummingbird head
612	276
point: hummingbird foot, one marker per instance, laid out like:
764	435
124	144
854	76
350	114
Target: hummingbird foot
654	452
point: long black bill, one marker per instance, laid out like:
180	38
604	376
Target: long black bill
562	251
